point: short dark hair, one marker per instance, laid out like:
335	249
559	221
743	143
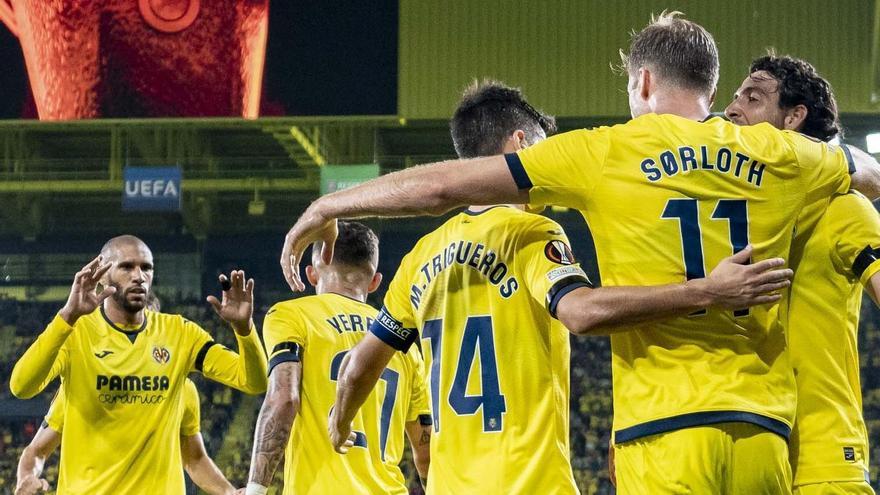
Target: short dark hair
800	84
489	112
679	50
356	245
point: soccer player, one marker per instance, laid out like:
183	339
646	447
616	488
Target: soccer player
835	253
482	291
702	403
307	340
196	461
124	368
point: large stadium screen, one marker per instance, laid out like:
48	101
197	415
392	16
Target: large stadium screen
75	59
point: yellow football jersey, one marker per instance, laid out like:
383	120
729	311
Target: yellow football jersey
318	331
123	392
837	246
190	423
666	198
480	291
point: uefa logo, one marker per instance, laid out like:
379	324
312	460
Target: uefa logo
161	355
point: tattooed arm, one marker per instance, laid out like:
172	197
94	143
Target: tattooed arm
279	409
419	433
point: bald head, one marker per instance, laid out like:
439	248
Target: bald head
112	248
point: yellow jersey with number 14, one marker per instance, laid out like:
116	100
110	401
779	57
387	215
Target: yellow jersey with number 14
318	331
837	246
666	198
480	291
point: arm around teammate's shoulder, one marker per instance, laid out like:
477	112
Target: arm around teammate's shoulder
731	285
424	190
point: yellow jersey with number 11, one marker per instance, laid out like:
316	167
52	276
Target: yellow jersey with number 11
667	198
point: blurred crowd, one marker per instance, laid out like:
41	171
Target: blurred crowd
228	417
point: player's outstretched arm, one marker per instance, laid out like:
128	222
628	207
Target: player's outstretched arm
866	178
419	435
272	432
41	363
731	285
425	190
201	468
358	374
245	371
33	458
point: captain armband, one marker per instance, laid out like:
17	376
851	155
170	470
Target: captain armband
565	279
391	331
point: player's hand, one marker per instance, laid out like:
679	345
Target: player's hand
735	285
311	226
237	305
30	485
84	296
341	436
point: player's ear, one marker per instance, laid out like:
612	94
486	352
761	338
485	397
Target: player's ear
795	117
515	142
374	284
312	275
519	139
712	97
645	83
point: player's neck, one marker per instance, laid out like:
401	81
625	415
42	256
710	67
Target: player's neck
352	287
682	103
121	317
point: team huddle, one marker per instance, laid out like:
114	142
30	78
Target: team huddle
732	255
